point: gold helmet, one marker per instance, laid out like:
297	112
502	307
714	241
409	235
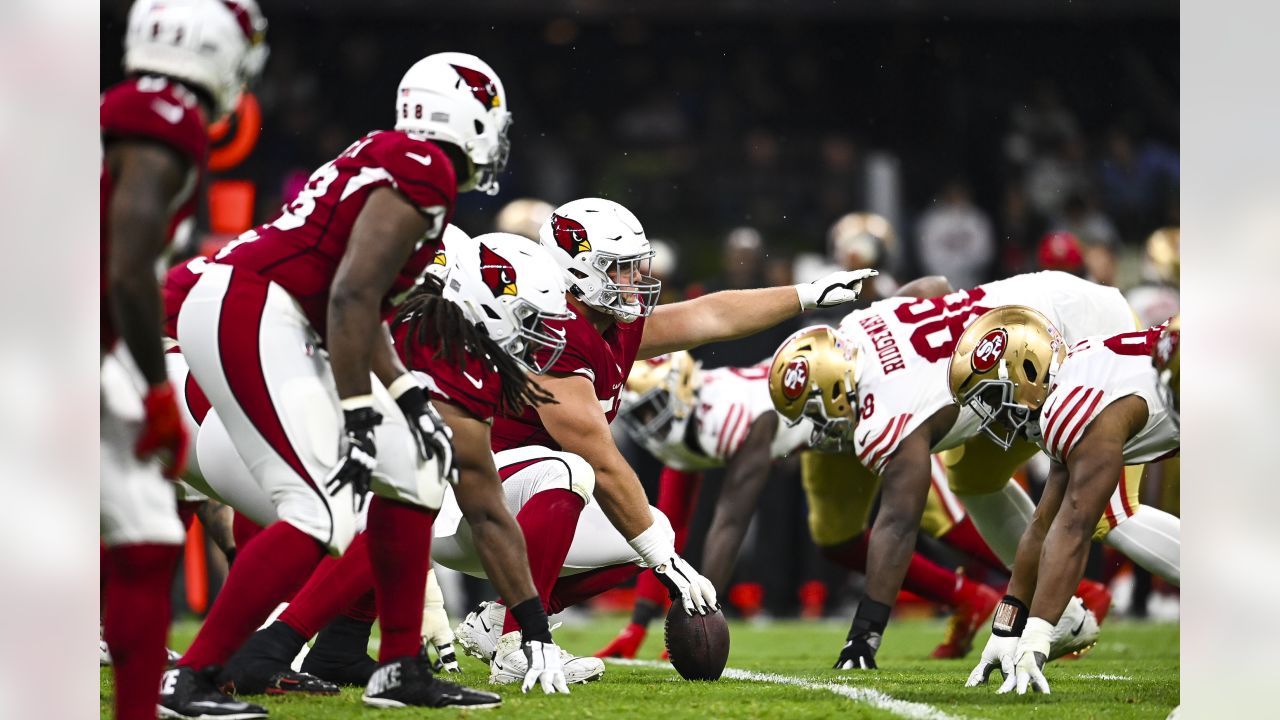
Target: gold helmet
814	376
1165	360
1002	368
1163	256
659	395
860	240
523	216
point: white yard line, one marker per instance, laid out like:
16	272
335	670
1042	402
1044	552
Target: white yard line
1103	676
867	696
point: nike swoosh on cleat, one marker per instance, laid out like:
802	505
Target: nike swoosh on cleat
1078	628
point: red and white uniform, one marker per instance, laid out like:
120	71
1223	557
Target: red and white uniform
192	403
525	471
905	345
728	403
1097	372
253	328
138	504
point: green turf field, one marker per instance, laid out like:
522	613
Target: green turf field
1133	673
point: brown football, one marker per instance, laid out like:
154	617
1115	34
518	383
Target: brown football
698	644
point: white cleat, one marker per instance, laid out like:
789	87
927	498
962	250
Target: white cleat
1077	630
104	655
509	664
479	632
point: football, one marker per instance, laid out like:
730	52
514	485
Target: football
698	644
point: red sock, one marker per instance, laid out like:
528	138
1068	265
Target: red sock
931	581
677	499
573	589
365	609
135	623
851	554
548	521
965	537
269	570
336	584
400	553
243	529
103	573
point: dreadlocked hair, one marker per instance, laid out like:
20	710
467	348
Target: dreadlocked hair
436	322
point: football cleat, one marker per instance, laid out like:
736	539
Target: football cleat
192	695
340	653
262	666
967	618
1076	632
478	633
509	664
408	682
626	644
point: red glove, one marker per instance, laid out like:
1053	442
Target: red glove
163	430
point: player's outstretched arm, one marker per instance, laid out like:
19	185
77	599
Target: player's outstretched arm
732	314
745	476
926	287
578	424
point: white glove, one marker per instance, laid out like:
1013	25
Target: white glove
543	667
1029	659
695	592
837	288
436	630
997	655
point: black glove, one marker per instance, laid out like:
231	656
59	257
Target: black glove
430	432
360	455
859	652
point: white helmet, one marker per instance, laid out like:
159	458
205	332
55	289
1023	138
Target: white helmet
453	238
605	257
216	46
510	287
457	98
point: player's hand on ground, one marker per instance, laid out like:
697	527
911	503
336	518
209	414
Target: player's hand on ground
1029	659
432	435
997	655
686	586
859	652
162	430
359	456
544	668
837	288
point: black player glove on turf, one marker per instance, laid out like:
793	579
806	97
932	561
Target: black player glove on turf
859	652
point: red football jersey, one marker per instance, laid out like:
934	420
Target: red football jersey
605	360
157	110
477	388
300	250
177	285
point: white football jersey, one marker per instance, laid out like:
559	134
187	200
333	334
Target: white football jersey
728	403
905	346
1097	372
1153	304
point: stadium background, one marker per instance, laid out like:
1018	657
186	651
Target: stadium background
975	131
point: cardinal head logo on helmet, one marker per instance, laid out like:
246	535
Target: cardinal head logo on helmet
482	86
496	272
570	235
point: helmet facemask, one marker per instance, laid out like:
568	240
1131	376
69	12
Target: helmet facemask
829	435
992	401
533	345
630	291
484	176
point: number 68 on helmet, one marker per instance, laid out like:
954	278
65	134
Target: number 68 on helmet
813	377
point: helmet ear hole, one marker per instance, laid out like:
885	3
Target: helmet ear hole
479	127
1029	369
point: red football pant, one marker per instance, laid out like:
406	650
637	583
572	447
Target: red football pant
135	623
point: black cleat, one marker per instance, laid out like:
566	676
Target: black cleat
192	695
340	653
408	682
262	665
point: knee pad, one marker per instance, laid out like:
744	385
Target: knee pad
582	478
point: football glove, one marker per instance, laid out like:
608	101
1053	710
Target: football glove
865	634
436	632
694	592
543	667
359	456
837	288
1029	659
430	432
1006	627
162	429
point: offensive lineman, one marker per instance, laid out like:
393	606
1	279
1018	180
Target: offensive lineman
283	332
1093	409
887	402
187	62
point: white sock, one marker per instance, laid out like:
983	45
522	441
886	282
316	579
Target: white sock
1151	538
1001	517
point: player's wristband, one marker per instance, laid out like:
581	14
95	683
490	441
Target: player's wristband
654	546
361	419
872	617
532	619
1010	618
356	402
403	384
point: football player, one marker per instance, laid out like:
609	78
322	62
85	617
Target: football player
563	453
1093	409
284	333
470	337
187	62
693	420
883	396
